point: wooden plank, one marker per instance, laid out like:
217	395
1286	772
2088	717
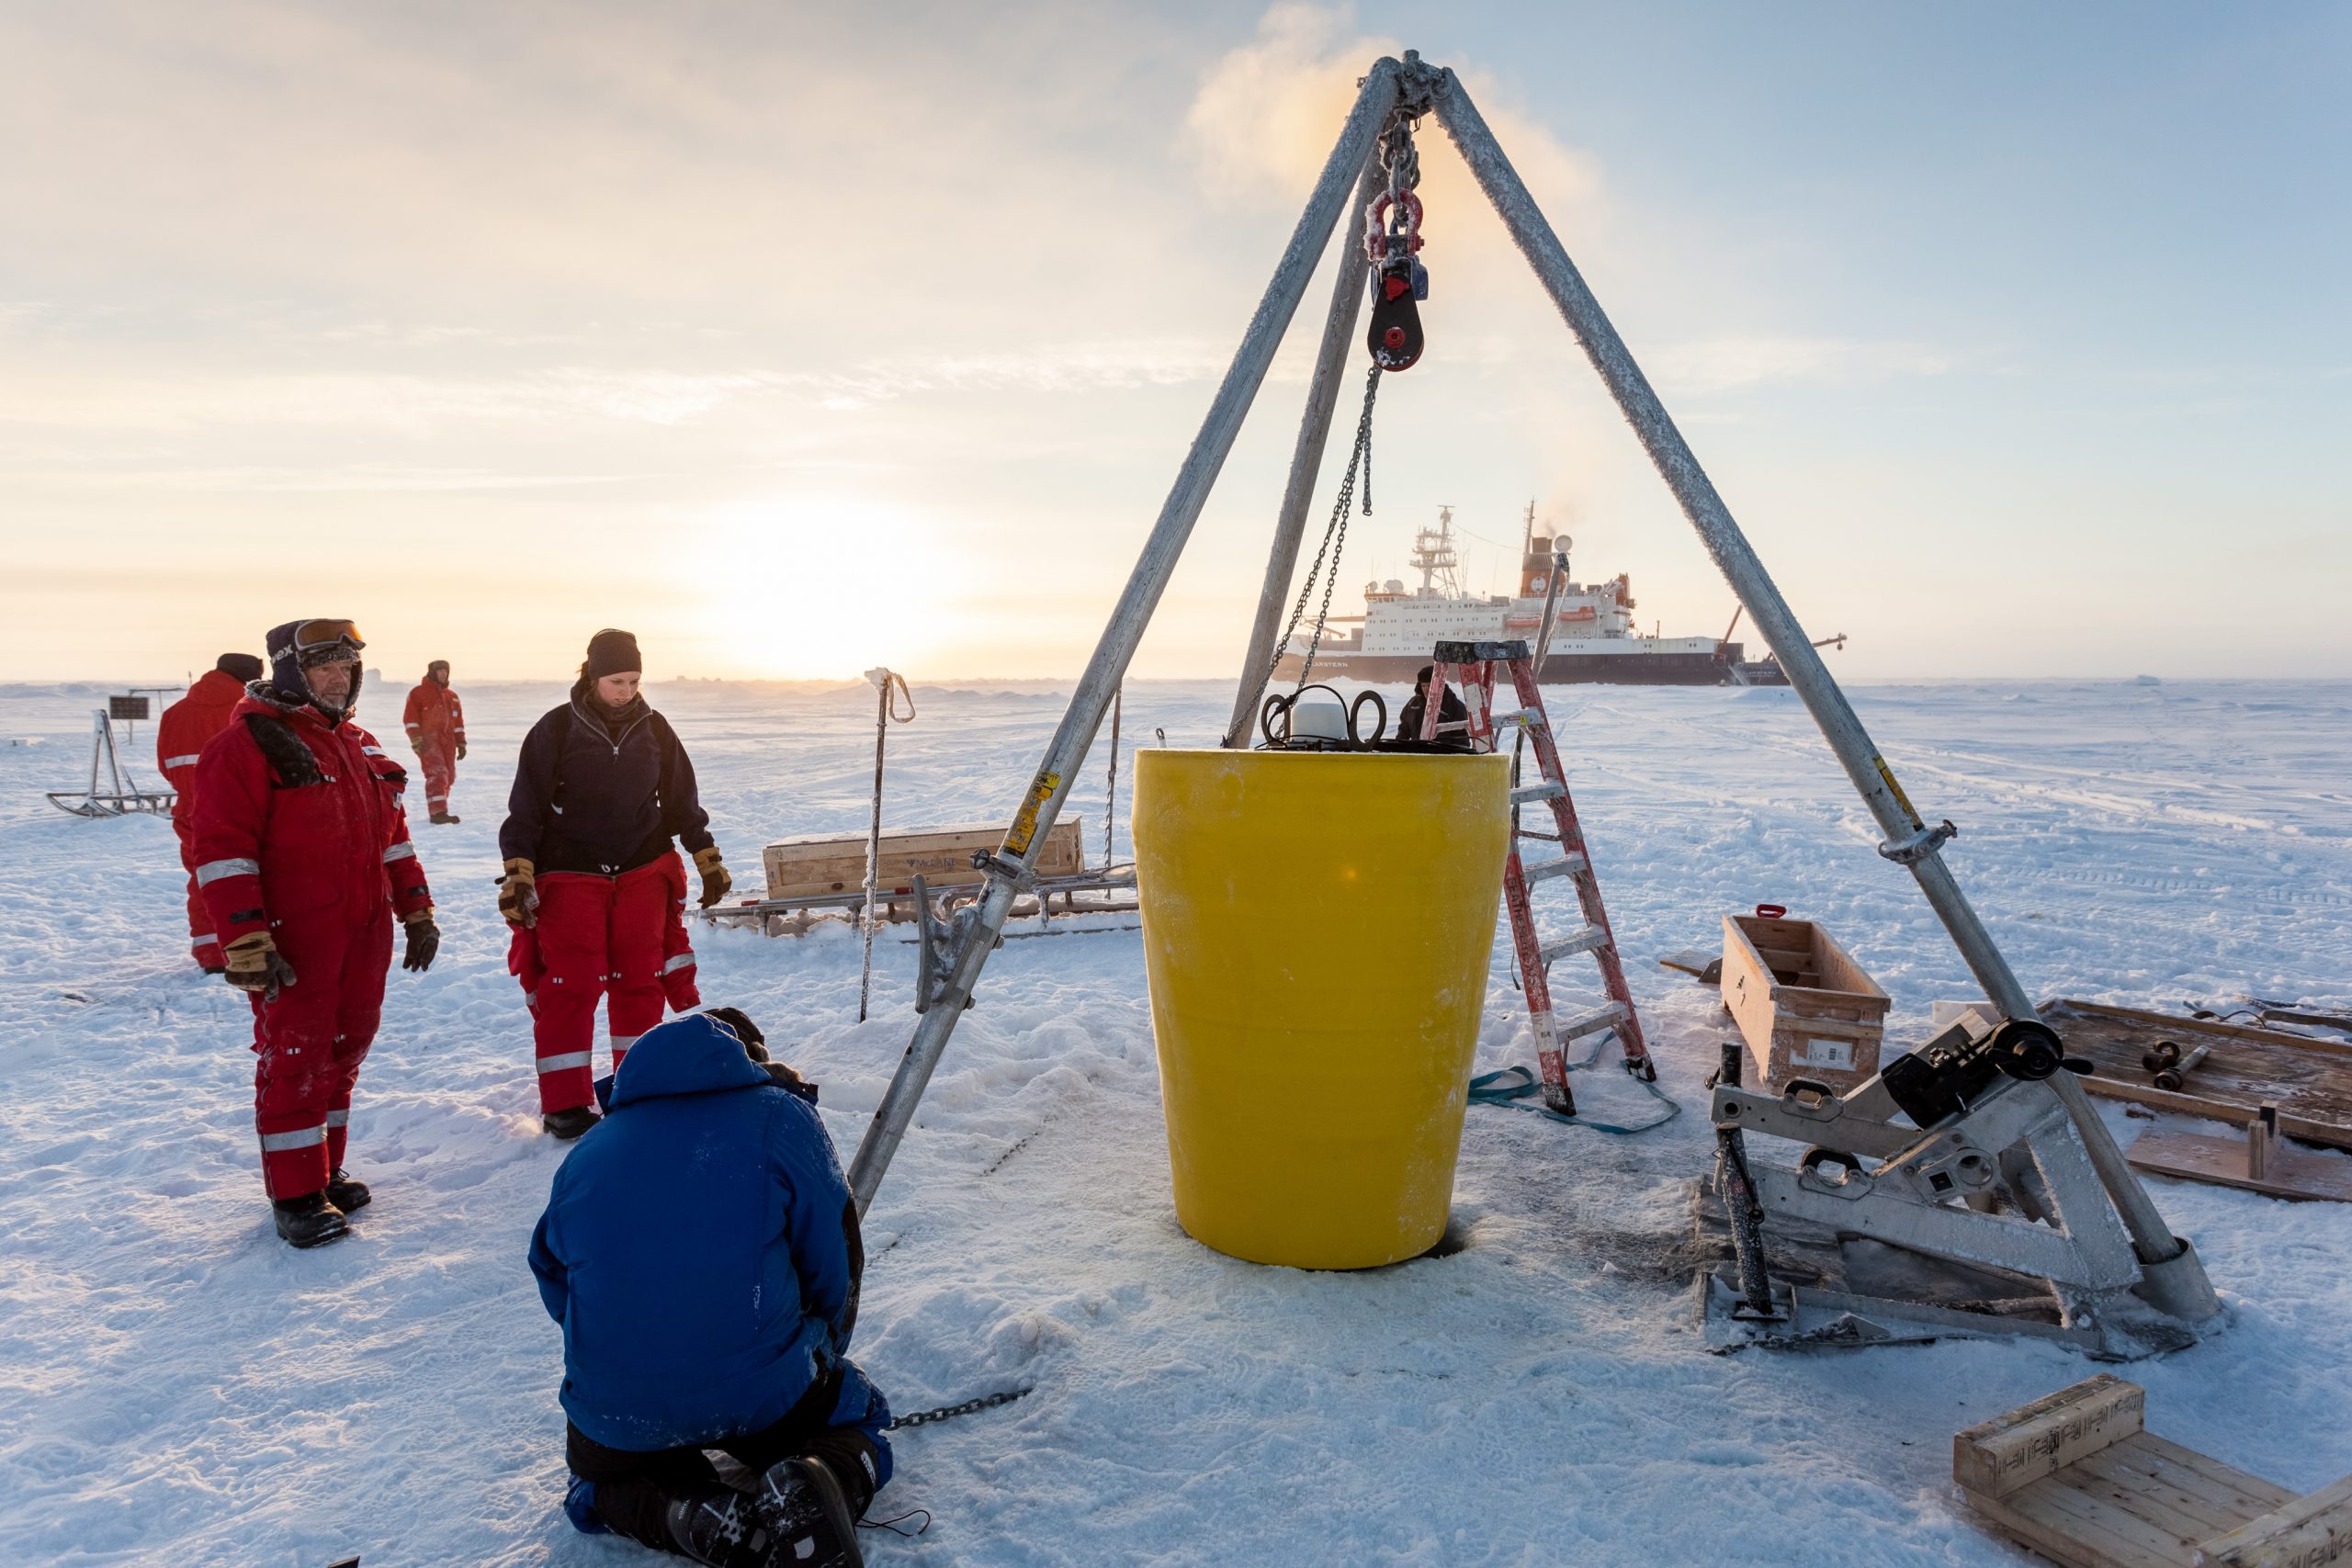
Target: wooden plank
2198	1157
836	863
2076	1527
2058	1540
2189	1515
2307	1533
2309	1080
2226	1483
2021	1446
2215	1498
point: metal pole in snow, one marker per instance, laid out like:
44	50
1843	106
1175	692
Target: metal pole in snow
1111	791
1306	466
1041	802
1840	724
874	835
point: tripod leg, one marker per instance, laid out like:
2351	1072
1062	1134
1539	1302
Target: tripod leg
1305	466
2152	1238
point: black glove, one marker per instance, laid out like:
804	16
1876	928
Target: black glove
423	942
461	751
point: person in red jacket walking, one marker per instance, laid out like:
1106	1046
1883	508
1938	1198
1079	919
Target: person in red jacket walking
436	733
304	856
187	728
593	888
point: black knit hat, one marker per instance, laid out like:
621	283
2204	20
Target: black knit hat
245	667
611	652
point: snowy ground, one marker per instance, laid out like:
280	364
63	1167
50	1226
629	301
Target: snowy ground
176	1387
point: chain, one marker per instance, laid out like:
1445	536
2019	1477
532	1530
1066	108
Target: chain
1335	539
949	1412
1399	159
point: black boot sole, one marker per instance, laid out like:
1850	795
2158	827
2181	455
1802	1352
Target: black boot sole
320	1238
829	1497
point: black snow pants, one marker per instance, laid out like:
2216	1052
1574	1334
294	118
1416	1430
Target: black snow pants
633	1490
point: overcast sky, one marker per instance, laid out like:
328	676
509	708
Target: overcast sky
803	339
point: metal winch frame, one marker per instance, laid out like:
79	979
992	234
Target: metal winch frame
1955	1155
2172	1283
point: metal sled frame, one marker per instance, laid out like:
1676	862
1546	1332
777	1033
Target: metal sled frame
125	797
2173	1282
2007	1190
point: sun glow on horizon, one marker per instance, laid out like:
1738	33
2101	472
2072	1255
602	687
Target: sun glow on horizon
816	585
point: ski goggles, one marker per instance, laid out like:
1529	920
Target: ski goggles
315	642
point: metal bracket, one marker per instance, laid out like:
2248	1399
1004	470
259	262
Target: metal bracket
936	945
1921	845
988	863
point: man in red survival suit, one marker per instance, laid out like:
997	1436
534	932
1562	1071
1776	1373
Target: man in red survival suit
435	721
304	856
188	726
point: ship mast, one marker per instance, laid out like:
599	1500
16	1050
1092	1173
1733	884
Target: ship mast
1433	554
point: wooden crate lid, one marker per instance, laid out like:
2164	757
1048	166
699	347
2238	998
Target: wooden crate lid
910	837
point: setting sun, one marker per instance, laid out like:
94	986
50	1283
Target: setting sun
811	585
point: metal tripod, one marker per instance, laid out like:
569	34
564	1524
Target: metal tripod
2173	1279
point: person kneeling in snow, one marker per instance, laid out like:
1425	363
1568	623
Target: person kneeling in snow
701	1250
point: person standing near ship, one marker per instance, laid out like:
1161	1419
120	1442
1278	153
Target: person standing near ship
594	889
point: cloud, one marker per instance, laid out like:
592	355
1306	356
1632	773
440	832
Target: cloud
1267	113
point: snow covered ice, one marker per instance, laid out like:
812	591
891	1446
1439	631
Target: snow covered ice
178	1387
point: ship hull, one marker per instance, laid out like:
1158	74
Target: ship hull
1559	670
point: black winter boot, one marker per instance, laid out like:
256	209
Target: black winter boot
569	1124
722	1528
346	1191
805	1508
444	816
309	1221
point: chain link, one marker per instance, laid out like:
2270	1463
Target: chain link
1400	159
1335	532
949	1412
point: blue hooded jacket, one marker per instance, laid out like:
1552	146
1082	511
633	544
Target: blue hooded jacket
700	1249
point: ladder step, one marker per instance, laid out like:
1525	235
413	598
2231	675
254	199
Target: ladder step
1584	941
1566	865
1593	1022
1527	794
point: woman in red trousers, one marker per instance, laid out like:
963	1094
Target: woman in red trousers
593	888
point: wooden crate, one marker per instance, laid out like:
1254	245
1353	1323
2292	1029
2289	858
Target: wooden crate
1806	1009
816	863
2076	1477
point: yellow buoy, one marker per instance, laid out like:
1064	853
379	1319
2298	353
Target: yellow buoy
1316	926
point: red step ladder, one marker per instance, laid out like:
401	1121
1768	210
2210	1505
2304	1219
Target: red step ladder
1471	667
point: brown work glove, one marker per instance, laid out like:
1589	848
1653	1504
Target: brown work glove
256	964
424	941
518	895
461	751
715	880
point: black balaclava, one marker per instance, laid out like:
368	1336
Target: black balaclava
244	666
289	686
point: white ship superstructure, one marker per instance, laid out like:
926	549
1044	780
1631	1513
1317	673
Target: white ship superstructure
1593	635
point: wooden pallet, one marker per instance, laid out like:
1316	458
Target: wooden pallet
2260	1162
2076	1477
2309	1080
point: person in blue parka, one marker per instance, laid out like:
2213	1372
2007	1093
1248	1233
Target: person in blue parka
701	1250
